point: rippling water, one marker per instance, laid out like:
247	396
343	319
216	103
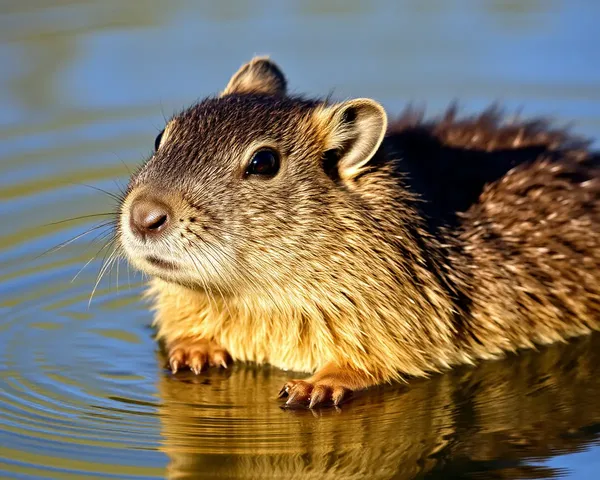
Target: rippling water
83	391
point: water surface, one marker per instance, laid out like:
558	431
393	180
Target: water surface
84	89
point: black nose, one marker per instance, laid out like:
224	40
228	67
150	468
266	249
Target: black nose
148	217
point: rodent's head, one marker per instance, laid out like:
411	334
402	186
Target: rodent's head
242	188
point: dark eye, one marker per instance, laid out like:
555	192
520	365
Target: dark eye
265	162
158	140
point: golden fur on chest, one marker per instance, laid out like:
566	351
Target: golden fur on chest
305	328
250	330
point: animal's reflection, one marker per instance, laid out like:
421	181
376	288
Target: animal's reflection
486	420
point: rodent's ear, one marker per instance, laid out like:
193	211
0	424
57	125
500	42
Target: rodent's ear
259	75
353	132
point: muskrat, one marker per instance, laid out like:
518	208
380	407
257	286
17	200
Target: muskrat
312	236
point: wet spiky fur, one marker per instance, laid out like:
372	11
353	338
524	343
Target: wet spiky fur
460	239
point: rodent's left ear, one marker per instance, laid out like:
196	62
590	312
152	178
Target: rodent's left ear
353	131
259	75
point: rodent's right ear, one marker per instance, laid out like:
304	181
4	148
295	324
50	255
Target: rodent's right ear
352	132
259	75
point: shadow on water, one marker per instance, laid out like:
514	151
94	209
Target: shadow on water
499	420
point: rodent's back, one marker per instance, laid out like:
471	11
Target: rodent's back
532	243
518	206
451	159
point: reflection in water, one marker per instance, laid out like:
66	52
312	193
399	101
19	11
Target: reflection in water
84	85
503	418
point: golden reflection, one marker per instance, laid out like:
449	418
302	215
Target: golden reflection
495	416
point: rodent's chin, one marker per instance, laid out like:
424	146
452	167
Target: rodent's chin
155	266
168	271
172	271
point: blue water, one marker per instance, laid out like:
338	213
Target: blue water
85	86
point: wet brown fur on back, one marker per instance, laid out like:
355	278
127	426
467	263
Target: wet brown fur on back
490	130
524	256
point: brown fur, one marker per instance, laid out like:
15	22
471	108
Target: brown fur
454	240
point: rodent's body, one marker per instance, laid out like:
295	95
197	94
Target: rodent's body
442	243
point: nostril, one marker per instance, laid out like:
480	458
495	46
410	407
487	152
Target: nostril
159	222
148	217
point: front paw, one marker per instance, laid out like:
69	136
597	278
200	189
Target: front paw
197	354
311	394
331	385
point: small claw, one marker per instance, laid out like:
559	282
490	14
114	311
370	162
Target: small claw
196	365
299	394
174	366
338	395
290	400
317	396
283	392
223	363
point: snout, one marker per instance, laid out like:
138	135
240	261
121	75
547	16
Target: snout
162	234
146	231
149	217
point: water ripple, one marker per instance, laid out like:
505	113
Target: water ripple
83	391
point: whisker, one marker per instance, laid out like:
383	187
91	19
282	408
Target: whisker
200	276
76	237
118	198
128	277
102	236
212	259
120	188
162	112
252	277
101	273
217	251
124	164
78	218
107	244
114	261
118	262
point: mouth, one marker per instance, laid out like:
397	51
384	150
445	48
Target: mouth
160	263
156	248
